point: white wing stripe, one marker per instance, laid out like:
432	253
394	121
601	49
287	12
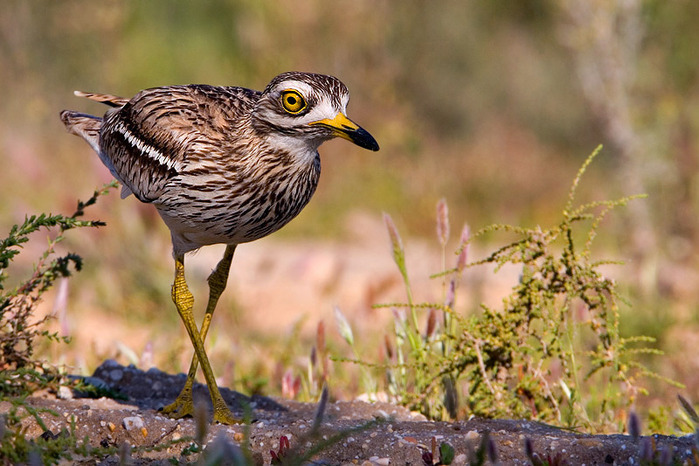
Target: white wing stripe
146	149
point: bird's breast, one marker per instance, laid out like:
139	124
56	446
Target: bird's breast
242	202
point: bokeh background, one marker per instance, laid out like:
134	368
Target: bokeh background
492	106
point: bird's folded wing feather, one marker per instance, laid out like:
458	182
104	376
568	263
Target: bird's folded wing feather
162	131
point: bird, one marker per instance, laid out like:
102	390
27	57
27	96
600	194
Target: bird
222	165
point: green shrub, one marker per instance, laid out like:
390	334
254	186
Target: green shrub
19	327
551	352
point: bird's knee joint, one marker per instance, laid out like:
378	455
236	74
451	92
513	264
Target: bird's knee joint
182	296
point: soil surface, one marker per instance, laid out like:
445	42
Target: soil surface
371	433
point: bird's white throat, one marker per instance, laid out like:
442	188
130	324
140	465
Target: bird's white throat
304	151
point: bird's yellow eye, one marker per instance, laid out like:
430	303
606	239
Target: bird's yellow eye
293	102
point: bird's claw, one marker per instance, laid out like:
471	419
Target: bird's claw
225	416
183	406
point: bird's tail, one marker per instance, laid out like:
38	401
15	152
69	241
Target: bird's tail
88	127
83	125
107	99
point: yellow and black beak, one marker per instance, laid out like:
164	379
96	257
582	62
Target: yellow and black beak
347	129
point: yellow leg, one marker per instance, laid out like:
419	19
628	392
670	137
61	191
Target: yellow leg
183	405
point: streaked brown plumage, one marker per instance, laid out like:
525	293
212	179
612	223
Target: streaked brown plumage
221	165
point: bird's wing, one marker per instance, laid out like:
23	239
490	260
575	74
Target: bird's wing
158	133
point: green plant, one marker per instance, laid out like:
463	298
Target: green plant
438	456
543	353
19	328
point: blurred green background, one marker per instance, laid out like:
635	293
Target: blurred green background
491	105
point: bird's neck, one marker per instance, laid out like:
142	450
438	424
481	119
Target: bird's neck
303	152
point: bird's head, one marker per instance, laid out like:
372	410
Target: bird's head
310	109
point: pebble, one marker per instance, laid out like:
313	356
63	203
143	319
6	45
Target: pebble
133	423
64	393
376	461
472	435
382	413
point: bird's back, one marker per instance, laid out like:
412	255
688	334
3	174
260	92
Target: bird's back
162	132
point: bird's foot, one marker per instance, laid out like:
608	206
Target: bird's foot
223	415
183	406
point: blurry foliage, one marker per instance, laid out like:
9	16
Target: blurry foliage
454	93
554	350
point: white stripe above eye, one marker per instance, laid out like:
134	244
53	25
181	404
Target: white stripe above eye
145	149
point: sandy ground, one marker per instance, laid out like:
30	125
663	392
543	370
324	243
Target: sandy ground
374	433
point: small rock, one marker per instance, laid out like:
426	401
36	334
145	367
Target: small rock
64	393
382	414
133	423
376	461
116	374
472	435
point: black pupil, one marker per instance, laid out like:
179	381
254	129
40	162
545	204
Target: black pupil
291	100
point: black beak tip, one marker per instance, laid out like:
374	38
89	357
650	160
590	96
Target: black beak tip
362	138
374	145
